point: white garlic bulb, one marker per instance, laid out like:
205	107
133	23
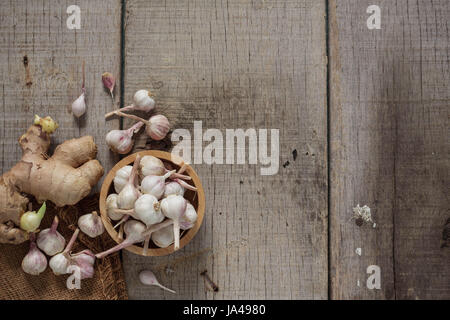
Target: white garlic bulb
147	209
173	188
111	206
163	237
59	263
189	217
91	224
158	126
151	166
155	185
121	178
143	99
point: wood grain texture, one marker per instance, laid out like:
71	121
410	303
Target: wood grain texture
388	128
240	64
41	73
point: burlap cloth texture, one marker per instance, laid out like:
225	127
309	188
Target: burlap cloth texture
108	282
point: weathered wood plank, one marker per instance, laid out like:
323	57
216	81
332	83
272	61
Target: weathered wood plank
51	78
389	148
241	64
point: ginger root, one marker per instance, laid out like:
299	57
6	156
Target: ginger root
65	178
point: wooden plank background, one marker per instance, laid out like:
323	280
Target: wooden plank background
241	64
263	64
52	77
389	148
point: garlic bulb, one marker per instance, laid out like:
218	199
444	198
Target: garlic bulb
143	99
35	261
155	185
189	217
147	209
91	224
173	188
59	264
173	208
121	178
151	166
129	194
158	126
163	237
121	141
50	240
79	106
85	261
111	207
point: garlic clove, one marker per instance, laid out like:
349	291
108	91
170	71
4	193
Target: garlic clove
148	278
91	224
50	240
79	106
35	261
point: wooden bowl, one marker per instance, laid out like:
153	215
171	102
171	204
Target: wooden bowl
196	198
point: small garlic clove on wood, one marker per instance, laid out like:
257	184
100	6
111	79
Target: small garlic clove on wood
91	224
79	106
148	278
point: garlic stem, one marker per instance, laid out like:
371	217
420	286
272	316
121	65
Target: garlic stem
124	219
185	184
157	227
72	241
131	116
109	114
176	233
182	168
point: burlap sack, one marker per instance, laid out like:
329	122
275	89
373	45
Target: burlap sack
108	282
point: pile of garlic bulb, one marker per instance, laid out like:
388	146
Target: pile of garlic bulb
151	194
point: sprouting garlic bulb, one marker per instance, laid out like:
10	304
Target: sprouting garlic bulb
147	210
35	261
50	240
91	224
143	100
79	106
173	188
111	207
59	263
163	237
155	185
151	166
189	217
121	178
158	126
